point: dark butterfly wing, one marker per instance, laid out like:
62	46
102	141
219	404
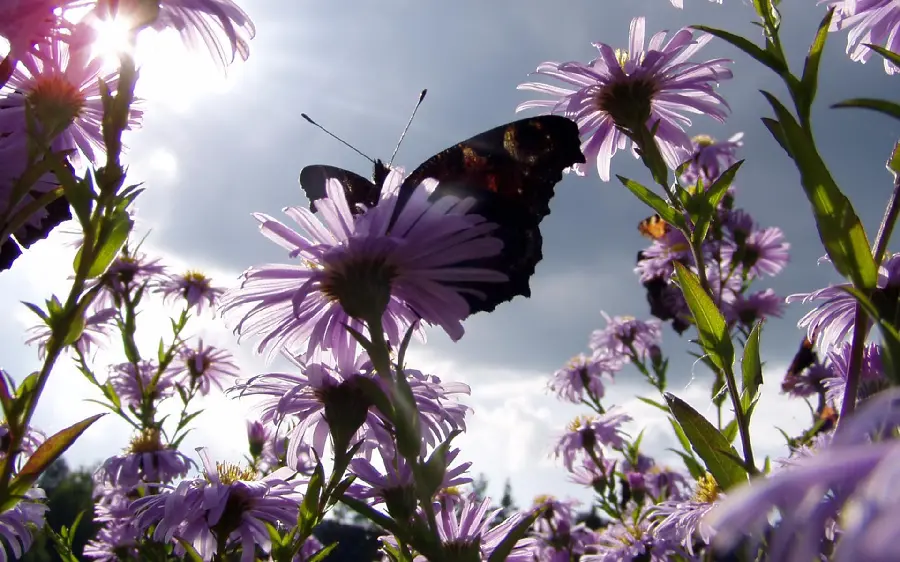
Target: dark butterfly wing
803	359
511	171
57	212
358	190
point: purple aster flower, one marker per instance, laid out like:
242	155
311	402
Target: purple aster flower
657	260
467	532
94	334
587	473
632	539
624	335
571	545
133	382
30	442
587	435
558	515
875	22
845	484
394	485
206	21
748	309
583	376
114	542
871	381
27	23
62	85
681	521
738	225
146	460
808	382
226	505
350	267
258	436
16	524
832	321
710	158
764	252
125	273
308	549
195	288
204	366
619	92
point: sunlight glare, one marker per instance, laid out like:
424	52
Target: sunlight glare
112	39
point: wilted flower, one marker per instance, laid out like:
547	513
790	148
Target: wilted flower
587	435
147	460
224	506
16	523
626	335
351	269
204	366
620	92
875	22
134	381
195	288
710	158
583	376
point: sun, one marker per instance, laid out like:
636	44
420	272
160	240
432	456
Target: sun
113	38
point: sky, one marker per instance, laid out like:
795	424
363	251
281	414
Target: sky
214	148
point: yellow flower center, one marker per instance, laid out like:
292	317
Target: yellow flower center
581	422
146	442
707	489
230	473
57	102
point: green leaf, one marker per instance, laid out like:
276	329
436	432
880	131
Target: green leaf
653	403
309	507
893	163
711	198
657	203
37	310
189	550
110	247
751	369
322	553
49	451
679	433
694	468
839	227
730	431
887	54
774	128
429	481
884	107
810	80
711	327
372	515
765	57
517	533
709	444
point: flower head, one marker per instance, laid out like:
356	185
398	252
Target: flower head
206	21
588	434
632	539
748	309
870	22
32	439
16	523
763	252
710	158
681	521
203	367
29	24
195	288
146	460
621	92
626	335
125	273
871	377
584	376
132	382
352	269
95	332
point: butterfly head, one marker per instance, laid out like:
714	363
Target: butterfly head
380	173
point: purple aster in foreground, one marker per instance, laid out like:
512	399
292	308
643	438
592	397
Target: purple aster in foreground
394	485
133	382
626	337
202	367
871	379
93	336
587	435
681	521
226	505
832	321
62	85
146	460
632	540
764	252
710	158
749	309
350	269
875	22
195	288
467	532
17	523
624	91
583	377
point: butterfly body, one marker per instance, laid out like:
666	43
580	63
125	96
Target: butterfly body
511	172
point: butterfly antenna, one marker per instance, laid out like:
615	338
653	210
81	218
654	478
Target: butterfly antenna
408	123
337	138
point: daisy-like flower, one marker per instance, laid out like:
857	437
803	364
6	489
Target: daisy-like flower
195	288
871	379
351	268
680	521
113	542
875	22
61	84
748	309
764	252
626	335
710	158
132	382
587	435
394	485
125	273
16	524
587	473
658	259
93	336
146	460
583	376
847	484
204	366
557	517
467	532
620	92
831	322
632	540
225	506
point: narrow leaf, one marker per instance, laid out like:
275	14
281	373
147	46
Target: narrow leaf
51	449
889	55
751	368
711	327
884	107
657	203
517	533
765	57
810	80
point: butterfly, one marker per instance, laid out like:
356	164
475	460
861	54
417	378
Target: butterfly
510	170
804	358
654	227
